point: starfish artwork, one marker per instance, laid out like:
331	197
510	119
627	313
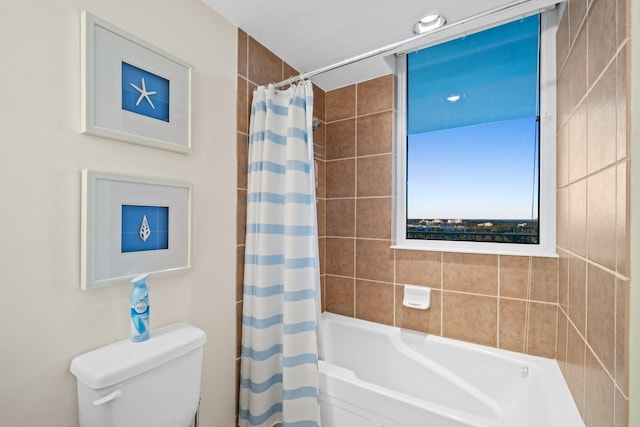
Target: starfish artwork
144	94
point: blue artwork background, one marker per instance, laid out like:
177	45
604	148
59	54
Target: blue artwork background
153	83
158	220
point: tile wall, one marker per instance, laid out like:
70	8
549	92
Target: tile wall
501	301
574	308
593	207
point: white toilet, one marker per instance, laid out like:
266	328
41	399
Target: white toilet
155	383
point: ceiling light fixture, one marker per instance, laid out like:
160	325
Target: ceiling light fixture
429	23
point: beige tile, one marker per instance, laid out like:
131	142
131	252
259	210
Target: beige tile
428	321
340	103
622	410
340	295
512	324
239	272
321	208
241	217
322	247
374	260
561	343
577	69
575	367
470	318
375	134
562	40
562	160
601	218
622	335
577	226
471	273
319	97
562	217
341	139
622	109
321	172
242	154
341	178
289	71
243	106
375	176
602	128
374	218
264	66
320	142
622	219
578	143
544	279
599	394
577	12
323	294
421	268
601	296
374	301
601	21
578	293
563	94
243	53
563	281
341	217
541	334
340	257
376	95
514	276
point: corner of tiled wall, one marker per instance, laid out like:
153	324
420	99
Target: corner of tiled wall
593	207
258	66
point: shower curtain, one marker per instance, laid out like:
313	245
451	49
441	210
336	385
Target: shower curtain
279	364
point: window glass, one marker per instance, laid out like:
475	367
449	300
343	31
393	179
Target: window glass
472	137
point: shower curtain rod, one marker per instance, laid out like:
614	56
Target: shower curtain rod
396	45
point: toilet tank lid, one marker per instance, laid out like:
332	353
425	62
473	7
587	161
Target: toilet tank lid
117	362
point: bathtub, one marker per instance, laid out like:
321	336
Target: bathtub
374	375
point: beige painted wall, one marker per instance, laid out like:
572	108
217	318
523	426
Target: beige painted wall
45	318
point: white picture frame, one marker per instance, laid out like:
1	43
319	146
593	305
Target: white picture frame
118	104
112	207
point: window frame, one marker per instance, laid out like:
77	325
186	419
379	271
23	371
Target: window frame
547	200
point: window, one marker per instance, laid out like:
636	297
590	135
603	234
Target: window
476	149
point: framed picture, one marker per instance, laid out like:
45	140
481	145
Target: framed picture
132	91
133	225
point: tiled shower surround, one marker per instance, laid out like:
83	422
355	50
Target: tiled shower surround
573	308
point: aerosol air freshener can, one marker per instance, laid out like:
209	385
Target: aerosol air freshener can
139	309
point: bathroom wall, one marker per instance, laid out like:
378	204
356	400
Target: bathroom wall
593	207
574	308
45	318
501	301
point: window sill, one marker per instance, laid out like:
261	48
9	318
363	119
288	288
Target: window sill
478	248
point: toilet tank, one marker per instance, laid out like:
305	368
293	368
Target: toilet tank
155	383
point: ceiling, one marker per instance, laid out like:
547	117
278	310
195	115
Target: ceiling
311	34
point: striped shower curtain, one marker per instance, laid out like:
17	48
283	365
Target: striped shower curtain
279	365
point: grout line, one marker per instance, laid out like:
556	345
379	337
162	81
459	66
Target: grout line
359	157
588	346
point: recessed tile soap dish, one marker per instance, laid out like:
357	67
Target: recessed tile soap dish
418	297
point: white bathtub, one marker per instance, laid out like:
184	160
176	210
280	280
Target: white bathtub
379	376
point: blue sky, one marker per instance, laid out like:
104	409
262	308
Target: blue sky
482	171
474	157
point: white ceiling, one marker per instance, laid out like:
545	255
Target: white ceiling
311	34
